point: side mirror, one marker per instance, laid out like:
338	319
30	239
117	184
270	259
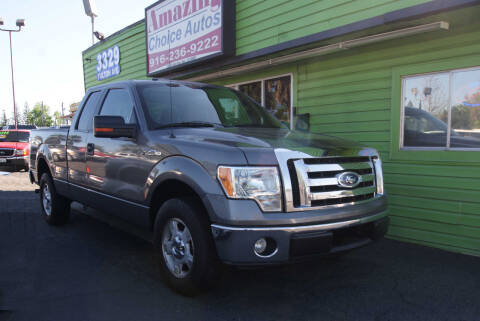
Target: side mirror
113	126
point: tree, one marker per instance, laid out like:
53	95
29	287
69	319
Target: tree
434	95
3	120
40	116
462	118
58	118
24	117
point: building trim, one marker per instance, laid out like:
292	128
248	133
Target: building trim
418	11
101	42
328	49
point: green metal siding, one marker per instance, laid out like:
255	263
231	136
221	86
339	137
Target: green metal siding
269	22
132	56
434	200
259	24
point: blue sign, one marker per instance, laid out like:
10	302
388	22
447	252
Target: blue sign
108	63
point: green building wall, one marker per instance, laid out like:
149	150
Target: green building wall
259	24
133	61
266	23
434	196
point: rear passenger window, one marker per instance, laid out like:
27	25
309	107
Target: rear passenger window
119	103
86	118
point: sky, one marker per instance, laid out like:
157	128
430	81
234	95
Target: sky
47	53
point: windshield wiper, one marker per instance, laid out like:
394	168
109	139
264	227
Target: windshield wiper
189	124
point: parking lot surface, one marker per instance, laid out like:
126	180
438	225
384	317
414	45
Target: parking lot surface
88	270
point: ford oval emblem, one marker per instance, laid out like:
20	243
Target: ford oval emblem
348	179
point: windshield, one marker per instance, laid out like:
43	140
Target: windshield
207	105
13	136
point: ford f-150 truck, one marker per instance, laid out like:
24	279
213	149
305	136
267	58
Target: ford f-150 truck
212	174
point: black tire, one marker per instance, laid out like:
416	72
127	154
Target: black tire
205	269
58	211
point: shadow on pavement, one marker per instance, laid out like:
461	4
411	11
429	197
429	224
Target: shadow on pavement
5	315
10	169
88	270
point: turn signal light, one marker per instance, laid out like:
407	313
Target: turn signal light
104	130
225	176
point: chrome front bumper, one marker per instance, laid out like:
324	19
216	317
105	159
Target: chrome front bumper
14	160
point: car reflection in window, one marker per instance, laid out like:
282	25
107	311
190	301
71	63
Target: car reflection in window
422	129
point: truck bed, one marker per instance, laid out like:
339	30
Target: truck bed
53	144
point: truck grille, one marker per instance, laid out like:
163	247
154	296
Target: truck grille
6	152
315	181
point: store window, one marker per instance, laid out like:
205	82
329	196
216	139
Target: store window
253	89
275	94
442	110
277	97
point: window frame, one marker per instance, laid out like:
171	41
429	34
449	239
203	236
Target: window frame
430	154
450	74
262	83
84	105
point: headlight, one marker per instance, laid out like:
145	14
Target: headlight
377	163
261	184
20	152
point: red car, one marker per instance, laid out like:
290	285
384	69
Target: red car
14	148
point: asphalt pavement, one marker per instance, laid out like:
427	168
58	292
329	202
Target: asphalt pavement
89	270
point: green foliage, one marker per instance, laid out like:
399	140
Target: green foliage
40	116
465	117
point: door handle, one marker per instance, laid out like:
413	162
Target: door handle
90	149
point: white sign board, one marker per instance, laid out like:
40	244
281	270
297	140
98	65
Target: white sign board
179	32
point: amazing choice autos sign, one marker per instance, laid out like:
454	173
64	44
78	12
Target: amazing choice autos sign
181	32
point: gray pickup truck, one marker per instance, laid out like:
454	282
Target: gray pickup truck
212	175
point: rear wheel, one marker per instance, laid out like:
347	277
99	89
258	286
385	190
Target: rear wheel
55	208
186	251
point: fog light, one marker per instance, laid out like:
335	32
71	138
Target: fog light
260	246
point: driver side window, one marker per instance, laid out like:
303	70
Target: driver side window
119	103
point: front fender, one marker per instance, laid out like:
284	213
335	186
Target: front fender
187	171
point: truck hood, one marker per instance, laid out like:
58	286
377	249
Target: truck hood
259	144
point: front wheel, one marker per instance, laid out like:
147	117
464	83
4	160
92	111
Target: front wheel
55	208
187	256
